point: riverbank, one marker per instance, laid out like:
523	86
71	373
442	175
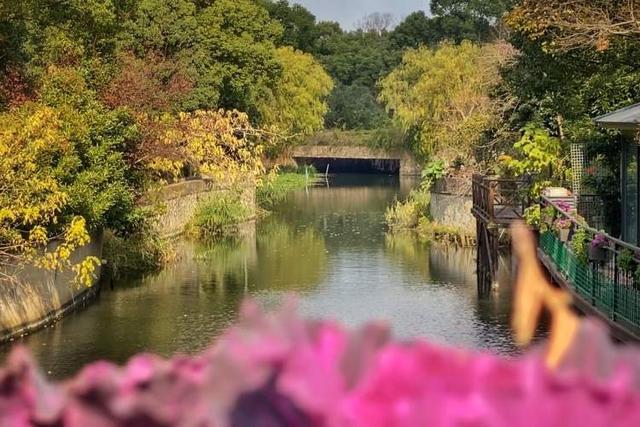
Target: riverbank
328	246
276	186
37	298
434	214
31	298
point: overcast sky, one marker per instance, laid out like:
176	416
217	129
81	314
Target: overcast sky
348	12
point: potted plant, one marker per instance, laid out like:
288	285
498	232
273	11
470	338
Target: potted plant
597	248
563	226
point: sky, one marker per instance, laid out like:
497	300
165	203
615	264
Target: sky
348	12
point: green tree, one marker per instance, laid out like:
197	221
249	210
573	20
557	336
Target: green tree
357	57
417	29
354	107
491	10
239	36
227	48
299	24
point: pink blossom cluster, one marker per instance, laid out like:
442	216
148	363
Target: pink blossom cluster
279	370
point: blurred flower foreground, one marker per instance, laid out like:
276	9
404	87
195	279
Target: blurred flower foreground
281	370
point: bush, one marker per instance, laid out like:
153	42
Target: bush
406	215
580	245
432	231
218	217
140	253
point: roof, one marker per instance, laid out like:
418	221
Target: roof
626	118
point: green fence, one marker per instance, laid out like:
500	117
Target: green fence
602	285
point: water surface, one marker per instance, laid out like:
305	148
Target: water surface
327	245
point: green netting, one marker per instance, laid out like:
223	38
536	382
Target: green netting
617	301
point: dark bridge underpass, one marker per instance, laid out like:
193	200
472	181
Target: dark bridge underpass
385	166
357	159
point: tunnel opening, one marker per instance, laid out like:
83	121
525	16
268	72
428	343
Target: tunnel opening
369	166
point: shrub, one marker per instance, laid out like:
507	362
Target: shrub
406	215
218	217
138	253
432	231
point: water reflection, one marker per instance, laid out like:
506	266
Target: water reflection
328	245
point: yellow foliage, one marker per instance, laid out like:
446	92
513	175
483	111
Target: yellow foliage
32	139
443	95
297	103
222	145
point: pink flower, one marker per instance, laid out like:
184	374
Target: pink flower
282	371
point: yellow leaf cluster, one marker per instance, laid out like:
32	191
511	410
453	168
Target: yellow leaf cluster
32	140
222	145
443	95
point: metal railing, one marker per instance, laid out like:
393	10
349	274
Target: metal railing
606	275
499	200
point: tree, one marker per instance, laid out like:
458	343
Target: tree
442	96
226	47
299	24
378	23
219	144
567	25
417	29
354	107
148	84
57	174
571	67
297	102
357	57
491	10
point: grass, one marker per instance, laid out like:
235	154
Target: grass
218	217
405	215
276	187
142	253
413	215
430	231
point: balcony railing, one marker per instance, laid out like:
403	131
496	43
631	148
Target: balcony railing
605	274
499	201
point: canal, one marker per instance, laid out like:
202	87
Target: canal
326	245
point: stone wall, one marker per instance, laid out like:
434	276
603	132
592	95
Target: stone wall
38	297
179	202
454	211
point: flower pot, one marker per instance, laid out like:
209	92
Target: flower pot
597	254
564	234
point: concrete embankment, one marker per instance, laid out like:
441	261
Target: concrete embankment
35	297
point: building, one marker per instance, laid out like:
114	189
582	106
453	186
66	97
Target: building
627	120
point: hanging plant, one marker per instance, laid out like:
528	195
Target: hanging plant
579	245
626	261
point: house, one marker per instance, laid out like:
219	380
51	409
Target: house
627	120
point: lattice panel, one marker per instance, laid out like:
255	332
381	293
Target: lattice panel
577	166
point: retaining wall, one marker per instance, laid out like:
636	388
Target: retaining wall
451	206
179	202
38	297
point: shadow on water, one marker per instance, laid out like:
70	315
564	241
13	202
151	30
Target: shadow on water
328	245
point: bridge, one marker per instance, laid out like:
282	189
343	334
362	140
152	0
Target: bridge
358	158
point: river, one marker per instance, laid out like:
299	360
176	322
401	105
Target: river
328	246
